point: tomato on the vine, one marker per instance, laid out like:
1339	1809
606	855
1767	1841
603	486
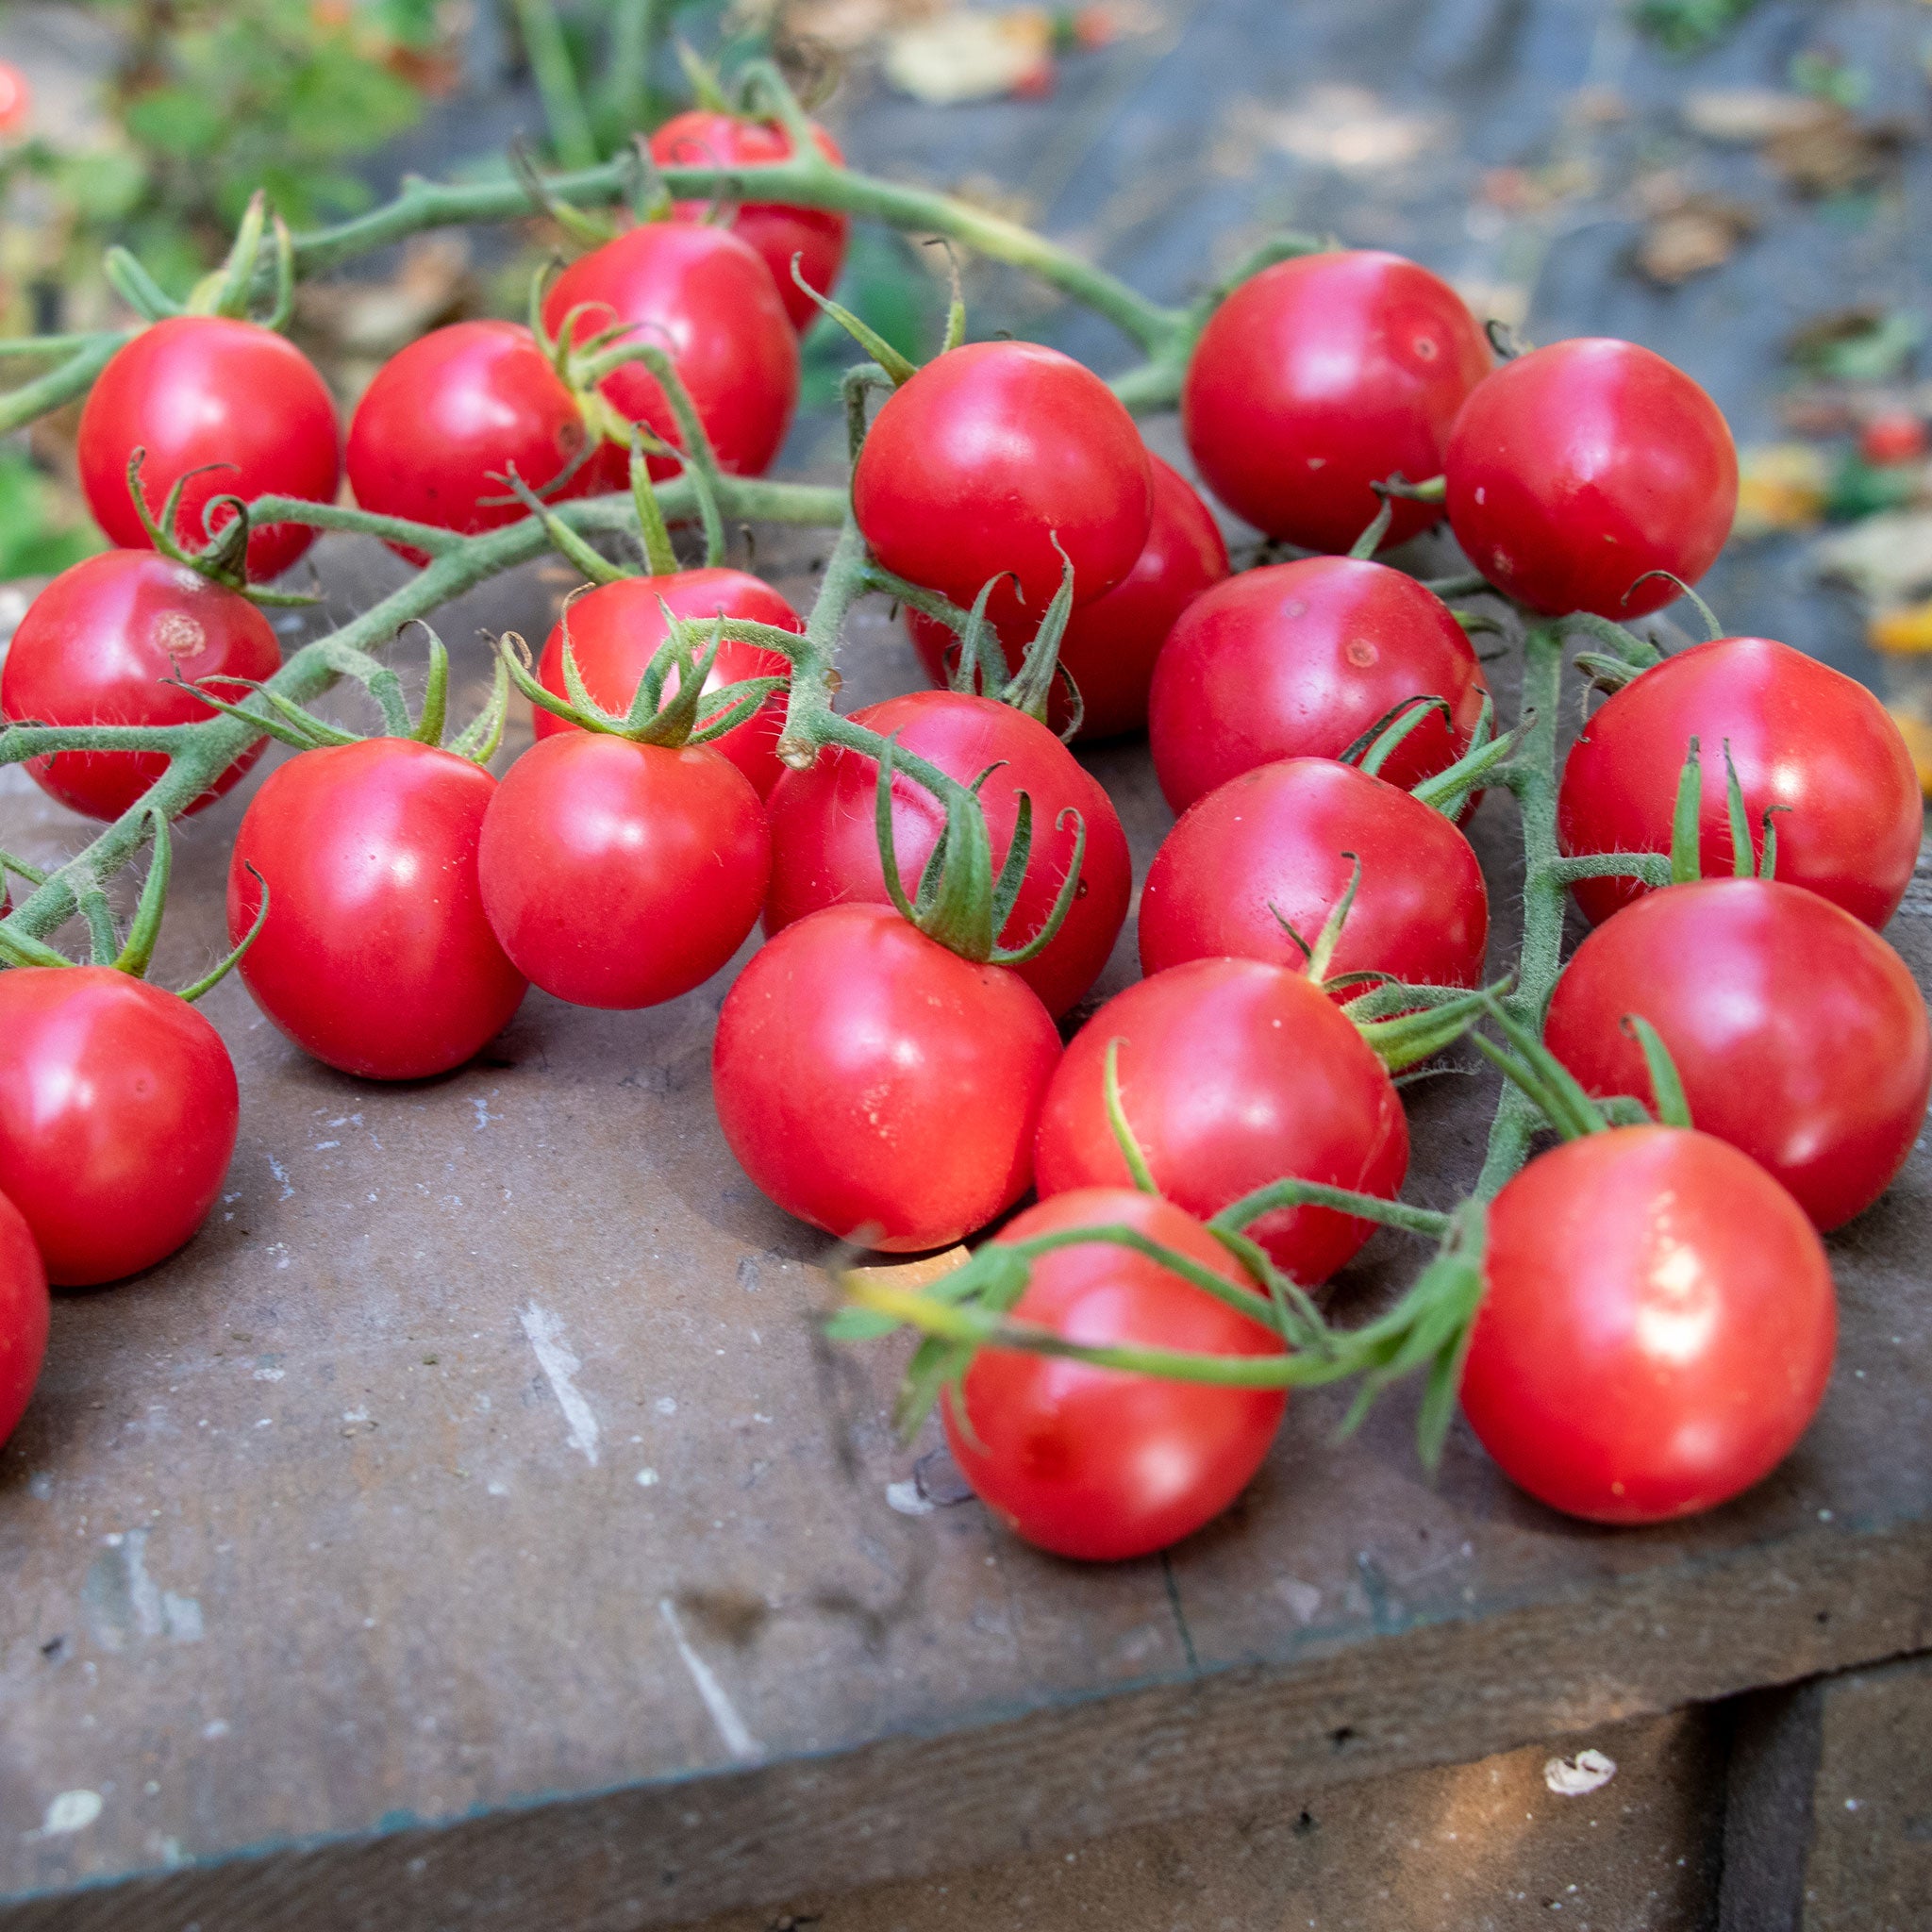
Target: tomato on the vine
1320	377
986	457
1091	1462
199	389
1576	469
96	646
118	1112
616	629
1797	1032
448	417
825	842
707	299
1111	644
1233	1073
702	138
1803	737
622	874
1299	660
1271	849
1656	1326
879	1086
376	956
24	1315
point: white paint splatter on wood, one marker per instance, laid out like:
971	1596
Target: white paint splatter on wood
559	1366
69	1813
1577	1776
731	1727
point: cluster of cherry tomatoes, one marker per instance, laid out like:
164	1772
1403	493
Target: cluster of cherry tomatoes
1658	1319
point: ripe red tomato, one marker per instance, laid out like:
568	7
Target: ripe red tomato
24	1316
1298	660
1656	1327
201	389
824	845
447	417
1111	644
1233	1073
16	110
704	297
615	631
118	1111
1797	1032
1802	736
375	955
1896	437
1576	468
877	1085
94	648
1276	842
1323	375
1091	1462
987	454
620	874
777	230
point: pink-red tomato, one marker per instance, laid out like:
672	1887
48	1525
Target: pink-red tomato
1320	377
375	955
991	452
195	389
700	137
1299	660
620	874
1657	1327
1803	737
879	1086
1092	1462
707	299
615	631
1798	1033
1111	644
1576	469
16	110
94	648
24	1316
1274	845
118	1111
447	418
1896	437
1233	1073
825	842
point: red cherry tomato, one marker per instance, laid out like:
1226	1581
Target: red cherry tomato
824	845
1091	1462
195	389
1233	1073
16	108
1802	736
1111	644
118	1111
615	631
704	297
1576	469
375	955
24	1316
93	649
987	454
1298	660
1656	1329
620	874
1275	841
877	1085
1323	375
777	230
453	413
1896	437
1797	1032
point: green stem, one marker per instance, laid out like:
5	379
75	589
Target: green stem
571	137
59	386
636	28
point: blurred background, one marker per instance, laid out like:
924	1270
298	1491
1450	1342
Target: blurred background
1743	187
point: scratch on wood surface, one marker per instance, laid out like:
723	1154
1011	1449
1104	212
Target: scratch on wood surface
731	1727
559	1366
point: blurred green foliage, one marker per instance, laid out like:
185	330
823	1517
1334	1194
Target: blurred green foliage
1688	27
39	534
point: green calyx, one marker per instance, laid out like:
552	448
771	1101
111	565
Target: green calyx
224	557
961	902
1372	538
1686	823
